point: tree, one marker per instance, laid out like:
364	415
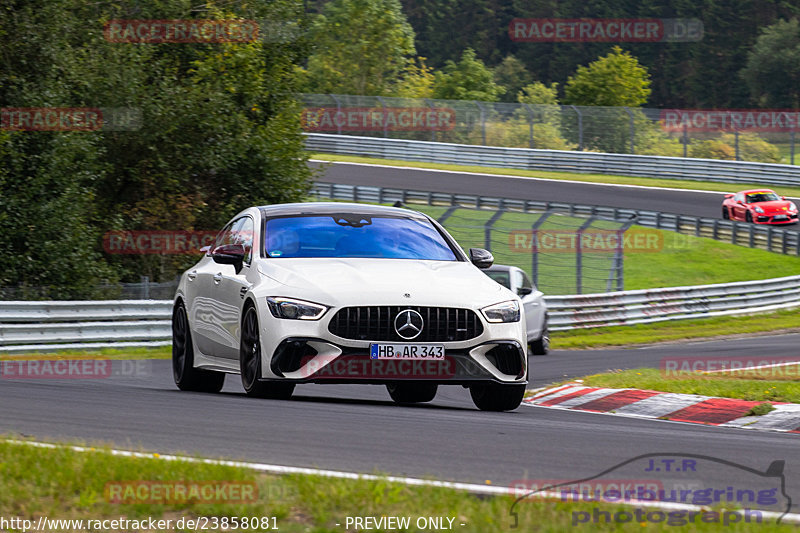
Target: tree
362	46
512	75
416	80
616	79
219	131
469	79
772	72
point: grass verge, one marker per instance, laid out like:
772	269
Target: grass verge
573	176
160	352
676	331
63	484
770	385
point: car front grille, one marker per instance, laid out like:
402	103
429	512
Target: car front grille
376	323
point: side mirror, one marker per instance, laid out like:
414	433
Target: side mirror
229	254
783	198
481	258
524	291
205	249
729	196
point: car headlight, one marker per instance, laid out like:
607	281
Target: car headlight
502	312
758	209
792	207
295	309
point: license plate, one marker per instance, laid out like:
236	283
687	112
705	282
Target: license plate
780	217
406	351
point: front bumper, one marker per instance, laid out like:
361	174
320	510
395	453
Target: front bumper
314	360
770	219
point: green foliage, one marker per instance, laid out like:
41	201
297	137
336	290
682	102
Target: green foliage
469	79
751	148
512	75
538	93
362	46
772	72
616	79
416	80
219	132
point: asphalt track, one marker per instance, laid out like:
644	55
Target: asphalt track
357	428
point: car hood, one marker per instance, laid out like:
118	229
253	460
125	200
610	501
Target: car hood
777	206
357	281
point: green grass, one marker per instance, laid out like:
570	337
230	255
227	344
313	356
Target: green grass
683	259
782	388
675	331
574	176
63	484
160	352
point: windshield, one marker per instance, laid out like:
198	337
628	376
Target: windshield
354	235
500	276
763	196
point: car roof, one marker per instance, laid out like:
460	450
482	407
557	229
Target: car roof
326	208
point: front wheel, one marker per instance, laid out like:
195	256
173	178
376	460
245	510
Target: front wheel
250	363
748	217
186	376
725	213
412	392
493	397
541	346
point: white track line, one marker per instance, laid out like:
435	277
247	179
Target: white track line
530	178
468	487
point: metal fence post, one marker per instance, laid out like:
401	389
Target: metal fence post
791	156
338	110
580	126
685	139
535	246
383	112
633	128
145	287
487	228
579	256
433	128
531	144
483	121
736	142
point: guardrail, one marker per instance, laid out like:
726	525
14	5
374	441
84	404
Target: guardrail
773	239
740	172
30	326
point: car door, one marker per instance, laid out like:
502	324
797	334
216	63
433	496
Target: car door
201	293
231	285
739	208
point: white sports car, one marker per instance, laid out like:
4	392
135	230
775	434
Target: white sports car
347	293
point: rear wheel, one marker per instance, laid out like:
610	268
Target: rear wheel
186	376
412	392
493	397
250	363
725	213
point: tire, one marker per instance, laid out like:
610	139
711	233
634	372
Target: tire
541	346
748	217
250	362
725	213
187	377
412	392
494	397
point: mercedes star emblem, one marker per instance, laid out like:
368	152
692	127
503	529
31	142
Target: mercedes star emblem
408	324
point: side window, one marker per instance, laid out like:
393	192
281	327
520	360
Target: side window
738	198
243	234
224	236
526	282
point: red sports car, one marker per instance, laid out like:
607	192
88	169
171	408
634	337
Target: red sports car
761	206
